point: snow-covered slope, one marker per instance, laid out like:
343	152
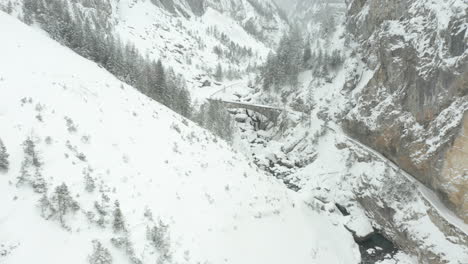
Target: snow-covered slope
191	36
89	129
187	40
188	44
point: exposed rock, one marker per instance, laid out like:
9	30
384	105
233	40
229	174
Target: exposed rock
396	207
241	118
206	83
412	109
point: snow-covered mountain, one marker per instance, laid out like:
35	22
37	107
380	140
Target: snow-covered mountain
191	36
414	108
98	173
399	88
350	140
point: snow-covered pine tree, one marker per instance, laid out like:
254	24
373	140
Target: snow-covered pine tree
307	55
100	255
28	11
38	183
63	203
102	210
158	235
4	163
160	84
29	148
90	185
219	73
47	210
118	223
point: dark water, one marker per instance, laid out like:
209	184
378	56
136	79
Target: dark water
374	247
381	247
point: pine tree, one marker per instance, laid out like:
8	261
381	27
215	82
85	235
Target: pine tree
118	223
24	176
307	54
28	11
159	237
29	148
102	210
269	71
63	203
160	84
219	73
38	183
185	108
4	163
47	210
89	182
100	255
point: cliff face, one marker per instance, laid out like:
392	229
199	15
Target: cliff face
414	108
257	15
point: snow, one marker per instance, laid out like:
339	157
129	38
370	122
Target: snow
399	258
341	170
218	206
185	44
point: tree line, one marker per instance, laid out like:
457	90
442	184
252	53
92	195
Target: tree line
283	67
90	35
294	55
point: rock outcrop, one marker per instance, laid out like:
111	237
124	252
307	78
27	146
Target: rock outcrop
414	109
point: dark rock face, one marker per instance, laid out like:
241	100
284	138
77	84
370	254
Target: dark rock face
197	6
415	107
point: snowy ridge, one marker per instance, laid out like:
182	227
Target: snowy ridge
85	123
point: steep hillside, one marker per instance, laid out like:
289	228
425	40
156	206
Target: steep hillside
414	108
99	173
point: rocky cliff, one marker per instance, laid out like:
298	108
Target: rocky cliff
414	108
260	17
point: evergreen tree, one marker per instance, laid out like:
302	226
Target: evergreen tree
89	182
24	176
63	203
47	210
269	71
102	210
158	235
307	54
160	84
38	183
284	67
28	11
214	117
100	255
118	223
219	73
4	163
29	148
184	107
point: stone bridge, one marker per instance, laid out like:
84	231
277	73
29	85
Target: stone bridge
270	112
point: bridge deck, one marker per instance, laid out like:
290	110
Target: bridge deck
241	104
